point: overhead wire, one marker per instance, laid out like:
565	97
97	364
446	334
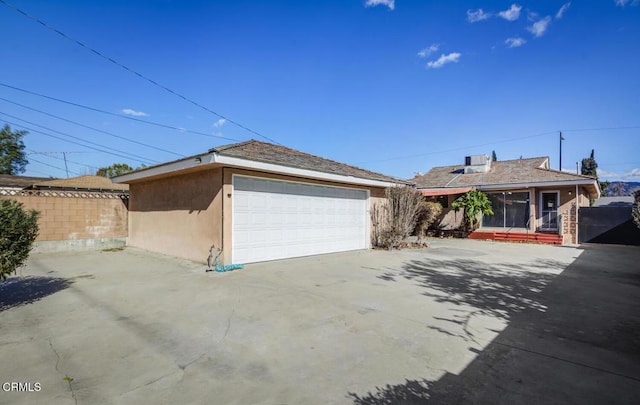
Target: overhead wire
134	72
458	149
94	109
92	128
497	143
121	154
50	155
55	167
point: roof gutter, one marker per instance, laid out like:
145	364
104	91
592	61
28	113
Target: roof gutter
213	158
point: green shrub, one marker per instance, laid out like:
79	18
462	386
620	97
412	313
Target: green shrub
474	202
18	231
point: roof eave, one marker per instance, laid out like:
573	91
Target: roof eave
560	183
216	159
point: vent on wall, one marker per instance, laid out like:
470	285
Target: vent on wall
477	164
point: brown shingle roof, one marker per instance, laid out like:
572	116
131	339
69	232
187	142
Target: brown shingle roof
281	155
83	182
505	172
7	180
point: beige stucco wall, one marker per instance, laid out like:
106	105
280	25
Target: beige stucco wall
179	215
183	215
69	216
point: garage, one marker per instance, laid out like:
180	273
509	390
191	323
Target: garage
250	202
275	219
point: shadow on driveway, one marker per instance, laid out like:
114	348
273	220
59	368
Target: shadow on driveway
17	291
573	338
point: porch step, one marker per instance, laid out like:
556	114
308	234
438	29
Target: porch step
532	237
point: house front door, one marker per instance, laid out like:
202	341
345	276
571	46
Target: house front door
549	211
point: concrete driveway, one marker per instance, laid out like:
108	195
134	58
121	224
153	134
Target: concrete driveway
460	322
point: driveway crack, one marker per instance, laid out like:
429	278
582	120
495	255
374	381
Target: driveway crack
228	324
66	377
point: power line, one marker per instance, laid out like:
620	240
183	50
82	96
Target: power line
92	128
117	115
130	155
53	156
597	129
55	167
458	149
497	142
136	73
75	137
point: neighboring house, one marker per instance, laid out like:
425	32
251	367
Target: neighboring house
85	211
530	201
86	183
255	200
9	182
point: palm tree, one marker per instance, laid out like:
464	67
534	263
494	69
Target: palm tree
473	202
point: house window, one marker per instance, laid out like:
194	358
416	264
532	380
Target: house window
510	210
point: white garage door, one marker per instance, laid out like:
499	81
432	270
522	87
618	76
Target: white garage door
278	219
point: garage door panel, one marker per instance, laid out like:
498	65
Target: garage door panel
275	219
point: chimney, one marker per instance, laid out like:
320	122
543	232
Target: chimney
477	164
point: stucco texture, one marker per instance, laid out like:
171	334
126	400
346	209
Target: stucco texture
179	216
183	215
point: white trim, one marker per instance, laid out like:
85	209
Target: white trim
233	215
214	158
536	184
557	193
367	220
524	190
270	167
182	164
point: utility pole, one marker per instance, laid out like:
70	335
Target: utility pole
561	139
66	168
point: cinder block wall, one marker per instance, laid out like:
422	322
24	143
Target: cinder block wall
75	218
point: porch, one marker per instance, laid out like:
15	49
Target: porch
517	235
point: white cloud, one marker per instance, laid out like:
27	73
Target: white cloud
478	15
515	42
453	57
562	10
428	50
219	123
622	3
512	14
129	111
540	27
389	3
629	175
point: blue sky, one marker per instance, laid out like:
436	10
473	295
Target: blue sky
391	86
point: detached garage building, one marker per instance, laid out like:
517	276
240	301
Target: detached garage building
256	200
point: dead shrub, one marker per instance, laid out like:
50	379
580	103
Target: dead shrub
393	220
